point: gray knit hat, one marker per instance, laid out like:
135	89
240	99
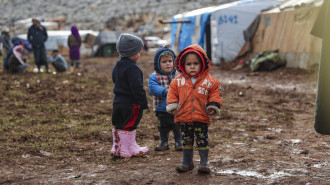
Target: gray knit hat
128	45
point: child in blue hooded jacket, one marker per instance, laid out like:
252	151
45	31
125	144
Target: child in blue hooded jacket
158	84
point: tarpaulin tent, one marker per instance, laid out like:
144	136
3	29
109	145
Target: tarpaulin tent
287	28
218	29
105	44
59	38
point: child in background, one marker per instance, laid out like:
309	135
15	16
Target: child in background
193	97
130	97
57	61
74	43
158	84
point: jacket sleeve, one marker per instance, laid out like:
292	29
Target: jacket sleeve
17	55
136	85
61	59
5	42
156	89
45	33
51	59
29	35
173	94
215	95
55	59
69	41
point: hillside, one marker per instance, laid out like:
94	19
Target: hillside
97	14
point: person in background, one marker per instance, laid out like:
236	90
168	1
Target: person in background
17	61
74	43
145	44
130	97
57	61
158	84
15	42
5	40
37	36
193	97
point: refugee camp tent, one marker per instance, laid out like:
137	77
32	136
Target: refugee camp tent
218	29
287	28
105	44
59	38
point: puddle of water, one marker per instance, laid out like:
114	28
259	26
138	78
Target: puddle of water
246	173
321	165
277	130
279	174
91	175
239	144
296	151
295	141
300	87
102	167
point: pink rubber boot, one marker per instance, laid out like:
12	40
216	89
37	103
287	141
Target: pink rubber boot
125	142
134	148
115	151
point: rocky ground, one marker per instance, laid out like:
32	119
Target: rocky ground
56	129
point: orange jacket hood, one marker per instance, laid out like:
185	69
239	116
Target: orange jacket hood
200	52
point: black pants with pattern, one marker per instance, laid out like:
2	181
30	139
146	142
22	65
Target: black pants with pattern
198	129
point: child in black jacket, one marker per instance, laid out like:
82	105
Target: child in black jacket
130	97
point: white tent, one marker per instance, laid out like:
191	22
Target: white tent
59	37
218	29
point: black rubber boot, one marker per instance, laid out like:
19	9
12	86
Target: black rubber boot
163	142
203	168
177	137
187	162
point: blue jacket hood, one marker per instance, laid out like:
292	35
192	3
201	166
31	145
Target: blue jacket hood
160	51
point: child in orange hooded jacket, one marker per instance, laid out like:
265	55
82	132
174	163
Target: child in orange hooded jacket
194	96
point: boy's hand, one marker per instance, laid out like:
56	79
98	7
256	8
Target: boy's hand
211	111
172	108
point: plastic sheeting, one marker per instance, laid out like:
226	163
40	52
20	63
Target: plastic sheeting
288	30
228	21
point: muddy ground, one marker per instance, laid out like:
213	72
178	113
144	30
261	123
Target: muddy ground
56	129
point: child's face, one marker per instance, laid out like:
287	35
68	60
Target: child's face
166	63
192	64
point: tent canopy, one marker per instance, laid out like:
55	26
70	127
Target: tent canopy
223	25
59	37
287	28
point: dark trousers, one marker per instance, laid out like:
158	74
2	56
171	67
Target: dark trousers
166	122
126	116
198	129
40	57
